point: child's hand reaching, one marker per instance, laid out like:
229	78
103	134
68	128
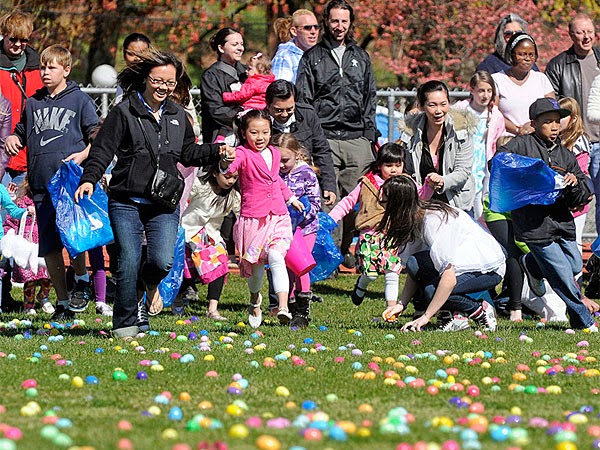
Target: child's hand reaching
297	204
392	312
31	209
12	188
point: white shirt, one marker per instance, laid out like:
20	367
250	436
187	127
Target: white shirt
515	100
462	243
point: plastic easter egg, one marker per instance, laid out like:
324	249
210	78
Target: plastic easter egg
119	376
500	434
175	414
337	434
91	379
238	431
77	382
282	391
142	376
313	434
565	446
7	444
234	410
266	442
169	433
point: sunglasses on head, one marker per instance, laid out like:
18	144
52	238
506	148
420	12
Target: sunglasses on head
14	40
309	27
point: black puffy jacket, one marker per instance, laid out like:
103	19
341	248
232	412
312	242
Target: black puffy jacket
344	97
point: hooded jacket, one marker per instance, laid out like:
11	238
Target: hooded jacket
544	224
54	128
11	82
344	97
121	135
459	187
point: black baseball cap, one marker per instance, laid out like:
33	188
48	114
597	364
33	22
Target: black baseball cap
545	105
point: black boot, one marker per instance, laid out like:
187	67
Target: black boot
301	310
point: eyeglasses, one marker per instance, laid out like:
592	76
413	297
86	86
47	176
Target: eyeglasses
158	82
289	110
510	33
14	40
309	27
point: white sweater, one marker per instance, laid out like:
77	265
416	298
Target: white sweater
593	106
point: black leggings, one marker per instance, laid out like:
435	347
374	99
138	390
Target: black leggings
502	230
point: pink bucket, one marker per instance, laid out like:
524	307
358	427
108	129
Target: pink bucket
299	258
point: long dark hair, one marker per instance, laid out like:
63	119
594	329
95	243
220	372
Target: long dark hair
389	152
402	220
133	77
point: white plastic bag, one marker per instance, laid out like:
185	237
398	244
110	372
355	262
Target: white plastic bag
550	307
20	248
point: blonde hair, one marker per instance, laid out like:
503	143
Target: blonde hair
16	24
503	140
57	53
282	25
261	63
574	129
287	140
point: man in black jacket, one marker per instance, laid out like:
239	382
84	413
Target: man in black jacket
571	74
336	77
549	230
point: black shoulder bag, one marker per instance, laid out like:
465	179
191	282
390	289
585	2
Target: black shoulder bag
164	189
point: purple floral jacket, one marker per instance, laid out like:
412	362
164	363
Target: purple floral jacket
303	181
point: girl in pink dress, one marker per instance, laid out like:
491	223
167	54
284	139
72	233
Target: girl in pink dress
263	232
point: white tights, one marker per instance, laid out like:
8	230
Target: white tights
281	281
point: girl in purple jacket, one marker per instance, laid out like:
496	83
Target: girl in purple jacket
263	232
300	177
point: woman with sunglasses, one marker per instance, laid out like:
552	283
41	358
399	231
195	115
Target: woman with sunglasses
147	129
296	34
508	25
19	77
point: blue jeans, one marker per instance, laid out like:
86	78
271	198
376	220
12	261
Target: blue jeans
559	262
421	269
129	221
595	176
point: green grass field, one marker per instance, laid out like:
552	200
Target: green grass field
321	370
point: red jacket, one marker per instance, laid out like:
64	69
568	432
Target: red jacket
252	93
10	80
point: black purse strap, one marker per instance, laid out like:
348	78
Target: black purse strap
155	159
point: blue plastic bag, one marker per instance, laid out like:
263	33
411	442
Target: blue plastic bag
169	286
326	254
516	181
296	216
82	226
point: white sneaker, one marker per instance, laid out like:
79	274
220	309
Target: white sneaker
592	329
456	323
30	311
47	306
104	309
485	319
253	320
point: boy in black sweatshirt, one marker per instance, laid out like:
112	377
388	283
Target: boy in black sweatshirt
55	127
549	230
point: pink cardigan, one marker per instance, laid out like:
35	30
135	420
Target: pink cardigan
263	190
496	128
252	93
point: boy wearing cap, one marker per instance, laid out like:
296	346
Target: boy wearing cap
549	230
